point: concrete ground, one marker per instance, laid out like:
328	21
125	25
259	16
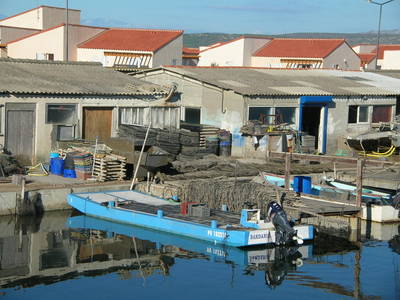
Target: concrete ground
52	181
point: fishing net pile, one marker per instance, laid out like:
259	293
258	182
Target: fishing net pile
9	166
236	194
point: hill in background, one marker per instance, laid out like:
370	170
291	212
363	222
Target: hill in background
203	39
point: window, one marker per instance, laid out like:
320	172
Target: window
192	115
65	133
262	114
285	115
45	56
161	117
304	66
381	113
61	113
358	114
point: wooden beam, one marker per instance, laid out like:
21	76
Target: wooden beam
287	170
332	159
360	165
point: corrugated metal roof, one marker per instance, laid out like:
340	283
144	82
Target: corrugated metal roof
261	81
44	77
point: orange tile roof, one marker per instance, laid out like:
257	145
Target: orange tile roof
307	48
192	51
131	39
366	57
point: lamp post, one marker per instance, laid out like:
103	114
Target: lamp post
66	28
379	27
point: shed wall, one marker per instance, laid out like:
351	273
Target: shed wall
45	134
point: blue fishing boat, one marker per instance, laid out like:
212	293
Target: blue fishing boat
260	257
216	226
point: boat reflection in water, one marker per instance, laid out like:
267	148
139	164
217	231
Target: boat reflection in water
58	248
46	252
46	257
275	262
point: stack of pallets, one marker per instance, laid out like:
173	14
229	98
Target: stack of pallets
109	167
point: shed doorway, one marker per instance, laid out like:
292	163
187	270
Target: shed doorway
311	123
97	123
20	131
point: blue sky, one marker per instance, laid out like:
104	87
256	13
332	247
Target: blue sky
229	16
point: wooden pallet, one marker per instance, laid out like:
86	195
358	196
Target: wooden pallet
109	167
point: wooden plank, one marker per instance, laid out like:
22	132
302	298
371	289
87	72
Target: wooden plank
20	133
329	158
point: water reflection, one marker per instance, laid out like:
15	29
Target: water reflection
59	247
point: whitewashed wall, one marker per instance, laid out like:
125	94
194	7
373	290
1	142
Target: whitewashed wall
266	62
391	60
51	41
43	18
230	54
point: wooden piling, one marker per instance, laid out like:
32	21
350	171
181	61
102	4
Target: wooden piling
287	171
360	166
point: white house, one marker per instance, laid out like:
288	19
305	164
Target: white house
236	52
391	60
138	48
307	53
50	44
42	33
387	58
42	17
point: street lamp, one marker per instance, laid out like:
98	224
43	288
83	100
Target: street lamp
379	27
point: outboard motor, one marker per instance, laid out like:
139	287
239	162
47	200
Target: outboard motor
284	231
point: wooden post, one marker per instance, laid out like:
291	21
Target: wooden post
360	166
287	170
140	157
148	182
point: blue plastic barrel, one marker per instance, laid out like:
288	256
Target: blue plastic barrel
69	173
54	154
298	184
57	166
307	185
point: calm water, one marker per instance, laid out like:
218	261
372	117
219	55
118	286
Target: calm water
57	257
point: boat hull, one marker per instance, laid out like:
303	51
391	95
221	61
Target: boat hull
218	252
236	237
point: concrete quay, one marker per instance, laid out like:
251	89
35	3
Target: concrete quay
43	198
